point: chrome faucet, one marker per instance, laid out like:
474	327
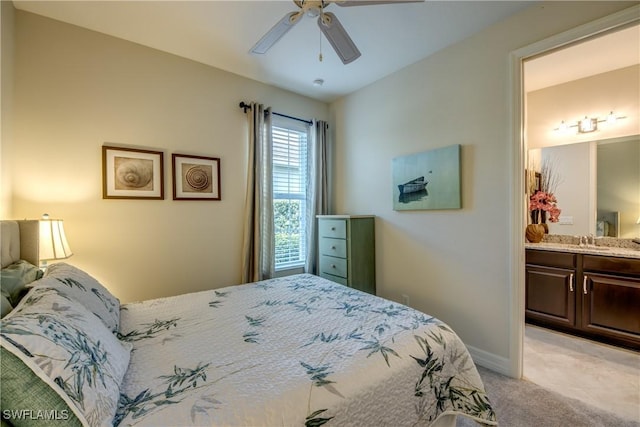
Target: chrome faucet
588	240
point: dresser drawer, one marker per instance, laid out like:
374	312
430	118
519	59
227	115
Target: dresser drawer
336	228
333	247
346	250
334	266
336	279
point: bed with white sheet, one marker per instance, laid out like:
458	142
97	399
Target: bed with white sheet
294	351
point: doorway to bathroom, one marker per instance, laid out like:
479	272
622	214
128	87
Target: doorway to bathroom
569	365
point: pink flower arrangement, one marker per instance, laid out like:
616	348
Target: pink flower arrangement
547	202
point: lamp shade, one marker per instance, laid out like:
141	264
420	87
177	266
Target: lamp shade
53	241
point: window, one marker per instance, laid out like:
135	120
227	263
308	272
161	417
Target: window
289	191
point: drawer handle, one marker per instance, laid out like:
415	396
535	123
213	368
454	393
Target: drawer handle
584	285
333	248
333	229
571	282
333	266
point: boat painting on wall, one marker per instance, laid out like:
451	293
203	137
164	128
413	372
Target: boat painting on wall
427	180
413	186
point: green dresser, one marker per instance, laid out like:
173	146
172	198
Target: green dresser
346	250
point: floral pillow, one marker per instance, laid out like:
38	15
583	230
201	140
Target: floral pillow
70	350
15	278
5	306
76	284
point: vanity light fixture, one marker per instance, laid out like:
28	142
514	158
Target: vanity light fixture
589	124
563	126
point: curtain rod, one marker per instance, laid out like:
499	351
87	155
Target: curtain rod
246	107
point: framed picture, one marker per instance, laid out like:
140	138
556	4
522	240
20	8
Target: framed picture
427	180
196	177
532	181
129	173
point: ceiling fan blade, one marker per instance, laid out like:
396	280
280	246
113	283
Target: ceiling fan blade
338	37
372	2
276	33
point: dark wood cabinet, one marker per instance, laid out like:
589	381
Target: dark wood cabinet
611	305
611	298
597	297
551	295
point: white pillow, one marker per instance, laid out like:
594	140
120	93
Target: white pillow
71	350
75	283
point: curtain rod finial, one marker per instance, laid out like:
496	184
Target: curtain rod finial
245	106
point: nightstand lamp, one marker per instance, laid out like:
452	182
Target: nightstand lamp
53	242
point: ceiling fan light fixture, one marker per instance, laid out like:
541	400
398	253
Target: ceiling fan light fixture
313	12
329	25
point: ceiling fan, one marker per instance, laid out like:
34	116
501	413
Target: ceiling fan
328	23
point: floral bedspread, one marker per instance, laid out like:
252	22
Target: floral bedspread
294	351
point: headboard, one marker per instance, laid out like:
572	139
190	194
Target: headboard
19	240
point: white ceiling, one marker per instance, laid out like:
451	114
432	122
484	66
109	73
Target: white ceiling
221	33
390	37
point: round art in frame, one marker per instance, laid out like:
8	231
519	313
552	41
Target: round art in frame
132	173
196	177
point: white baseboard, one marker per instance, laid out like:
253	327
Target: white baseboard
490	361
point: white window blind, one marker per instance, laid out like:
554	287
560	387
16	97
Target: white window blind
289	191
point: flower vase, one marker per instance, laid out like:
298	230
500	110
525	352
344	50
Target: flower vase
534	233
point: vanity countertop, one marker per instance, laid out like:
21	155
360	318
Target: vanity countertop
591	250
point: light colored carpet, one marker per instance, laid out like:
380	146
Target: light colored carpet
599	375
520	403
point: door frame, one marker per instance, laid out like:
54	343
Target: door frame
518	200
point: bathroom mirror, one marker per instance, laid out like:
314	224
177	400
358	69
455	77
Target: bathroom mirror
599	186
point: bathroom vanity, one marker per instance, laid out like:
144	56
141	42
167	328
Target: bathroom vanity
593	292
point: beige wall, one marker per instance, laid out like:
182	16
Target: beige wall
575	165
454	263
76	90
594	96
7	15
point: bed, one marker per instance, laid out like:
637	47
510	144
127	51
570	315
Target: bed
293	351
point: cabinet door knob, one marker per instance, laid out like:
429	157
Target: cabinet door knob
571	282
584	284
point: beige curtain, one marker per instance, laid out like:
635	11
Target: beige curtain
318	189
258	243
